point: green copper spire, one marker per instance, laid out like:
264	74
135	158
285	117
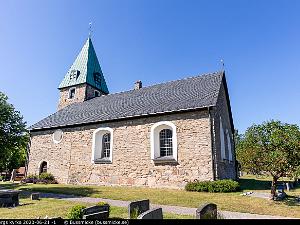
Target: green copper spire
85	69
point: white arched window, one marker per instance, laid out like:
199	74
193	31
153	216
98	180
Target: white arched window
222	140
229	144
102	145
163	140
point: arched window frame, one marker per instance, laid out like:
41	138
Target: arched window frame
155	142
97	93
97	146
229	145
40	166
222	141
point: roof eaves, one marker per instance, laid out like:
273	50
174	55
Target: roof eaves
122	118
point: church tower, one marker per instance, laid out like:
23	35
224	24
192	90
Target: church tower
84	80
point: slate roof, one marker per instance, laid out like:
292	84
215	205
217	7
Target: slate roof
180	95
87	64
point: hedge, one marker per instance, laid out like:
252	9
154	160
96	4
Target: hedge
225	185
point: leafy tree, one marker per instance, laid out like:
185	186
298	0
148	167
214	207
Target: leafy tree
13	136
272	147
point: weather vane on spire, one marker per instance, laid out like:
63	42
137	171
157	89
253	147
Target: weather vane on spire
90	29
222	64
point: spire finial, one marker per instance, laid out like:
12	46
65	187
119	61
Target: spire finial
222	64
90	29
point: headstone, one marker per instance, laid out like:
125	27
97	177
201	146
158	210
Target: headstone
35	196
207	211
96	209
9	198
138	207
288	186
152	214
280	188
97	216
13	175
281	195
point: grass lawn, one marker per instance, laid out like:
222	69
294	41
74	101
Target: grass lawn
225	201
29	209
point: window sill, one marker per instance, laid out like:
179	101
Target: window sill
164	159
227	161
102	161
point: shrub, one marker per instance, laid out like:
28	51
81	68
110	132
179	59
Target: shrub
27	180
46	176
197	186
134	214
1	178
104	204
76	212
43	178
226	185
32	176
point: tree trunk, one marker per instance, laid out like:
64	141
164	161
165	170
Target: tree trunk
273	188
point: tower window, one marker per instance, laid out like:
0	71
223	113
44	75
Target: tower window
97	93
74	74
97	78
72	93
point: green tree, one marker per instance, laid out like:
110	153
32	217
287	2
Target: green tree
272	147
13	136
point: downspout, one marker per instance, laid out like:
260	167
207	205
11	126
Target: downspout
212	140
235	161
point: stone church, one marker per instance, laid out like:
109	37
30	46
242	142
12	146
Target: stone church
163	135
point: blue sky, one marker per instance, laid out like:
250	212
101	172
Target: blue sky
156	41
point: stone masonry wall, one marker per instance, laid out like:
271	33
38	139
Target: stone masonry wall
70	160
224	168
82	93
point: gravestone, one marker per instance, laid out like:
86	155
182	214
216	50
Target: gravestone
152	214
280	187
287	186
97	216
96	209
207	211
9	198
281	195
138	207
35	196
13	175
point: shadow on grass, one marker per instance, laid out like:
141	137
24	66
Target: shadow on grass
24	204
253	184
291	201
74	190
9	185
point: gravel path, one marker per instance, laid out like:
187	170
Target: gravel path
165	208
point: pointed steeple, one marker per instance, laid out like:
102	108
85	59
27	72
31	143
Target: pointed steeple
85	70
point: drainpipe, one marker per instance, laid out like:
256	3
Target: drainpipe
212	140
235	161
